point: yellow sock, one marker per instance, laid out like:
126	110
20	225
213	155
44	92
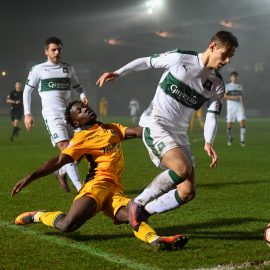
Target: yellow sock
146	233
48	218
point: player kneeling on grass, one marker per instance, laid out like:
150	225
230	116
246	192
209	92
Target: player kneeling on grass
103	190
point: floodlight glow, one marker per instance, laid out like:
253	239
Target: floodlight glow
4	73
149	10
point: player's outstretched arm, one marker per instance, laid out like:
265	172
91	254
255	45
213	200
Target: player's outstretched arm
106	77
47	168
135	132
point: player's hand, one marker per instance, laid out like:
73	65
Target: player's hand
28	122
211	153
106	77
19	186
84	101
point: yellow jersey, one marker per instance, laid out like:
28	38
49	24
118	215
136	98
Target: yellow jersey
101	145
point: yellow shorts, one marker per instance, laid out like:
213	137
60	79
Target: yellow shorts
108	195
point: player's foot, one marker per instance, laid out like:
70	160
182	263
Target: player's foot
26	218
229	143
136	214
62	180
167	243
243	144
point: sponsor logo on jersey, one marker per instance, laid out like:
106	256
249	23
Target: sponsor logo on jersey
182	92
208	85
53	84
111	148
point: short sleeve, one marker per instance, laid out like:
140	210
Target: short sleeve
76	147
120	129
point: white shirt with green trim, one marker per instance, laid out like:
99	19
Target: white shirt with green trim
54	83
234	89
184	87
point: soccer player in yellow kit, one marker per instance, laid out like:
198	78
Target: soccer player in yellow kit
103	191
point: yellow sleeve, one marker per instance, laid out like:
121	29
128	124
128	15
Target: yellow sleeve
121	130
76	147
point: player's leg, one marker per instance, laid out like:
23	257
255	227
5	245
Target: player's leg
242	124
80	211
229	133
71	168
117	205
60	135
179	161
185	190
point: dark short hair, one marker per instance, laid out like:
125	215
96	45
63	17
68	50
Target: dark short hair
52	40
234	73
225	38
67	113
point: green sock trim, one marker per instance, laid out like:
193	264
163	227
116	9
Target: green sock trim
177	197
176	179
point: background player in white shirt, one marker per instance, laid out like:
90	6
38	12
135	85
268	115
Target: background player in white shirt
54	80
189	80
235	108
134	109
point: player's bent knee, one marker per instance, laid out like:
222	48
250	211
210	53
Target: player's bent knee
184	172
187	196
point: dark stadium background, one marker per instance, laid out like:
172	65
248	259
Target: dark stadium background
86	28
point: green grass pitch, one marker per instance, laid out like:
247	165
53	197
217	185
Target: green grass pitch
225	221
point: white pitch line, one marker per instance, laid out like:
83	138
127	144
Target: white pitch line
197	140
82	247
244	265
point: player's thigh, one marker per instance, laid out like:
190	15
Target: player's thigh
231	115
81	210
176	160
240	115
57	129
168	150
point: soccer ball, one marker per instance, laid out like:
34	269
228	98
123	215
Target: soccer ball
267	234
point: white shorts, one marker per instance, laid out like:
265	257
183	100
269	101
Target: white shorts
159	141
58	129
235	113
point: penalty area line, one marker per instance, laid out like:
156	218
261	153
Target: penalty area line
82	247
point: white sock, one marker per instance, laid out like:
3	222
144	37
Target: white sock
62	171
160	185
73	174
164	203
242	134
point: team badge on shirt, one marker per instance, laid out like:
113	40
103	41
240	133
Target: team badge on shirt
65	70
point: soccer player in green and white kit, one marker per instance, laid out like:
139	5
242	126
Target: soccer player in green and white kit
235	108
54	80
190	79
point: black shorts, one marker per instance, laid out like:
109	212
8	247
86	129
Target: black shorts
16	114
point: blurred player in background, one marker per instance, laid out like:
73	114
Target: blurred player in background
190	79
199	115
103	107
134	108
235	108
103	191
15	99
54	80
